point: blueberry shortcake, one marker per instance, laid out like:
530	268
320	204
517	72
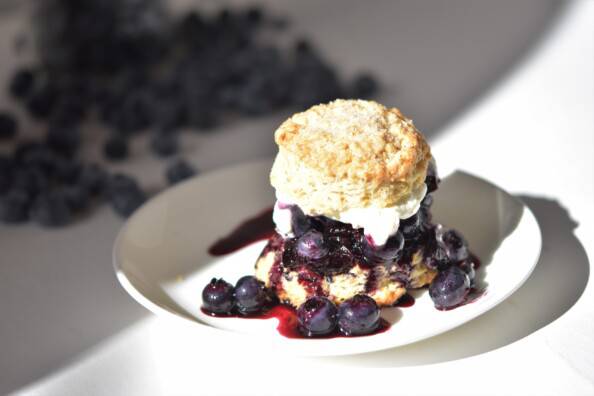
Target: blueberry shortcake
353	223
353	183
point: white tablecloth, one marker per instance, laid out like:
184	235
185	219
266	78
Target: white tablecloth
532	134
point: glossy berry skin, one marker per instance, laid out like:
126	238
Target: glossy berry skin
412	227
317	317
217	297
438	256
250	295
449	288
358	315
432	179
427	201
455	245
388	253
311	245
300	223
468	267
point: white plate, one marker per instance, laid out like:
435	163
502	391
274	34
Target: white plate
161	258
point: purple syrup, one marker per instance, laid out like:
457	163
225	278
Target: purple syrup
288	325
405	301
252	230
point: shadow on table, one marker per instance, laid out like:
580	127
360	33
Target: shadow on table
557	282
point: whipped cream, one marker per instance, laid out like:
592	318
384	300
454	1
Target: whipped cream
281	215
377	223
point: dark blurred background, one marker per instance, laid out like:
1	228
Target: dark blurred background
105	103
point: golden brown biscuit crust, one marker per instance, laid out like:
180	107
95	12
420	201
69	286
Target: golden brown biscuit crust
348	154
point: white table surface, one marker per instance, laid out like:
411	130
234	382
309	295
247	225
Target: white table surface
68	329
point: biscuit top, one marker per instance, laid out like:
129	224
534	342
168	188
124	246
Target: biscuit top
348	154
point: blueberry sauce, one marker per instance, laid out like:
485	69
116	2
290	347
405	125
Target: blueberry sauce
252	230
288	323
405	301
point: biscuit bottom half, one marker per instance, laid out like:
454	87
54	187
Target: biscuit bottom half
384	282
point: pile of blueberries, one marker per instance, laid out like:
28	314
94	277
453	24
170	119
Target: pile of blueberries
317	316
131	67
328	247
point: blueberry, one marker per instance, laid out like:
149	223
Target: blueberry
311	245
254	14
201	118
64	141
116	148
125	195
411	228
68	111
164	144
126	199
364	86
40	157
455	245
23	149
120	181
8	126
250	295
136	111
387	253
432	180
50	210
178	171
449	288
300	223
217	297
5	180
66	170
317	317
427	201
358	315
93	178
468	267
14	206
340	260
41	102
436	252
77	197
21	83
6	170
30	179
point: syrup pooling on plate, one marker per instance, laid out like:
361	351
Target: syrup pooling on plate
251	230
288	325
